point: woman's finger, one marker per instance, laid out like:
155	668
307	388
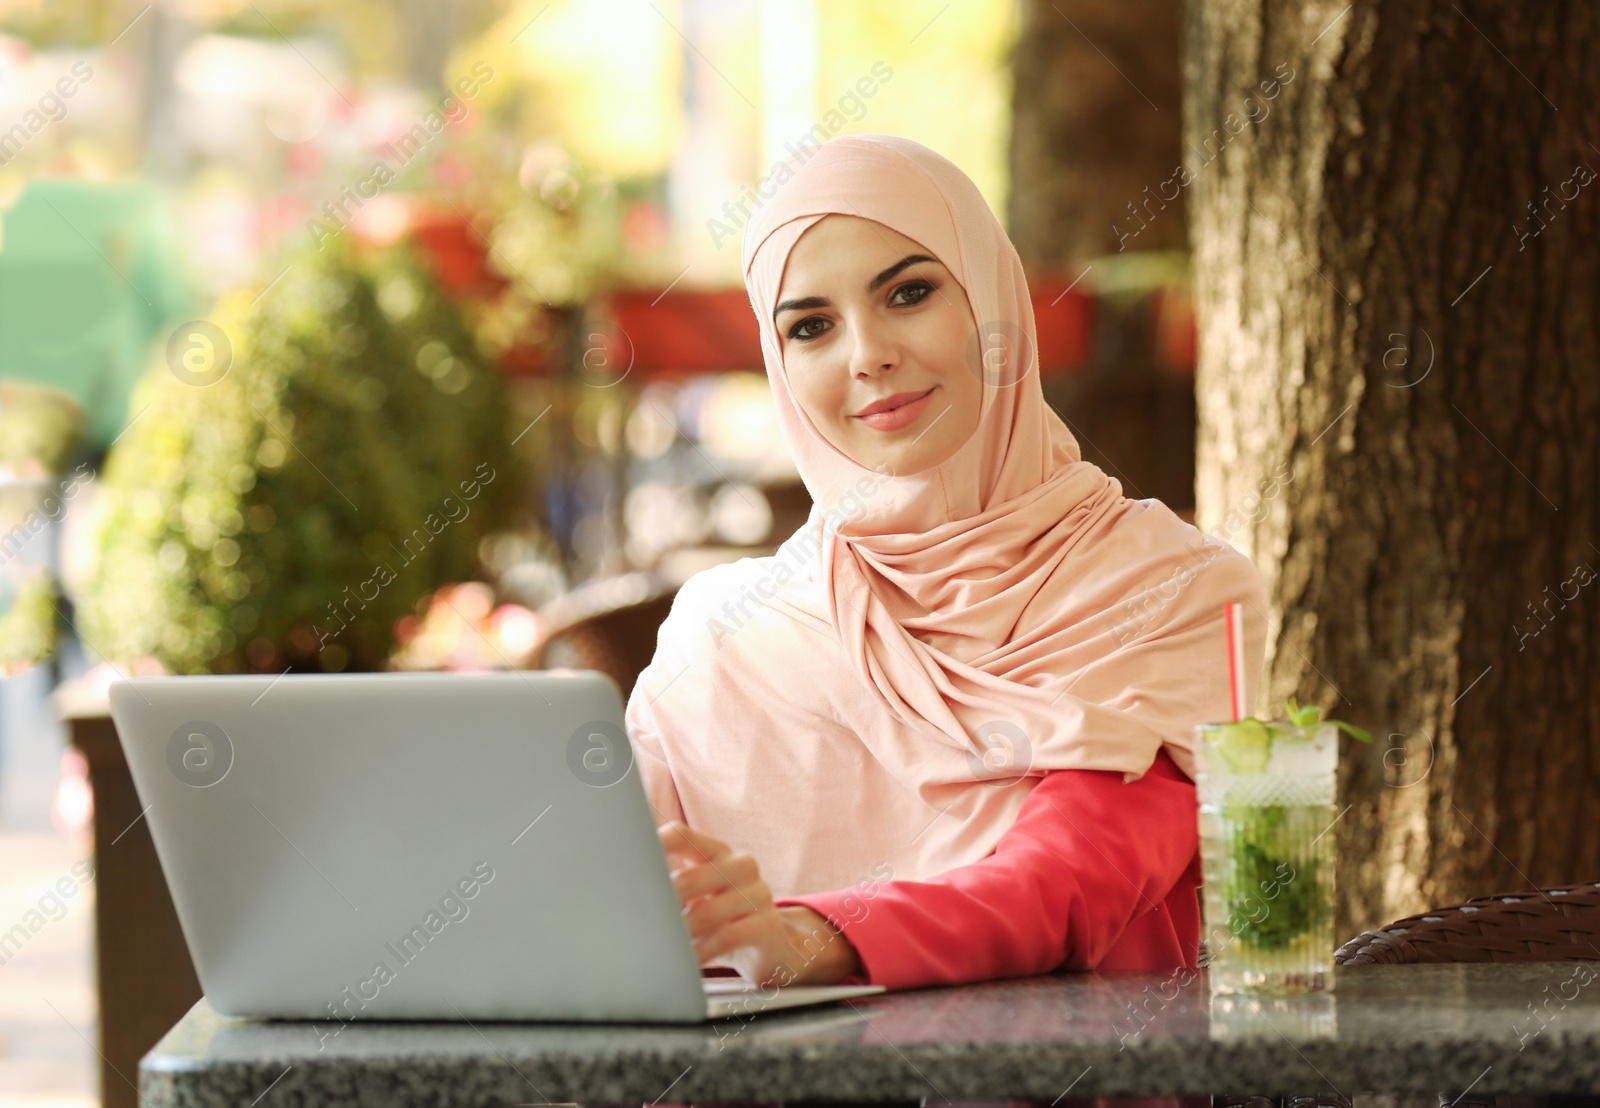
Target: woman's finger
743	931
681	840
702	878
718	910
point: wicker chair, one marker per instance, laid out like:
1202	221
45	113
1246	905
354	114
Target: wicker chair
608	625
1534	925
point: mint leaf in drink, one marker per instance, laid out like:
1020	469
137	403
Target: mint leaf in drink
1306	717
1352	730
1310	716
1270	903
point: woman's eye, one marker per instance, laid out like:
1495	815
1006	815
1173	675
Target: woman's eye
798	331
917	290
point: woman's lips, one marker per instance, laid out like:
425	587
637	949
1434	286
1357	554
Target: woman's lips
896	418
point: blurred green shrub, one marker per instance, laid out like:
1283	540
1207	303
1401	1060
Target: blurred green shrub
349	459
27	622
40	427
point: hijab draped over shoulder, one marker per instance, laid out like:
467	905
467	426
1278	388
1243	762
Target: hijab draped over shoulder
876	700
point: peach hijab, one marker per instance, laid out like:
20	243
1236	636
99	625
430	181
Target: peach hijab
876	700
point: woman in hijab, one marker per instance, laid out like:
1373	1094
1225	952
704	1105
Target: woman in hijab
945	733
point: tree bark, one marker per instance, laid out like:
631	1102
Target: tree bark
1397	276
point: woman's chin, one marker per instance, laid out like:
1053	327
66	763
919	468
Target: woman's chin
898	463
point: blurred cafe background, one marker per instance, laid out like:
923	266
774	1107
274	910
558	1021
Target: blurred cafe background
397	335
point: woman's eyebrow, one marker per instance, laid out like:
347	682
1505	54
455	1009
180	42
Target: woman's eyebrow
872	286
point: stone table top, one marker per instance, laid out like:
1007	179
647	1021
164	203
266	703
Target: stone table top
1500	1028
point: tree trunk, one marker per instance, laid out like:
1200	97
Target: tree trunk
1096	125
1096	128
1397	276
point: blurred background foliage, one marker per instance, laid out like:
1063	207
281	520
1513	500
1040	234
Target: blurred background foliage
215	555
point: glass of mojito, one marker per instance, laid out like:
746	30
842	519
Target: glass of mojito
1266	792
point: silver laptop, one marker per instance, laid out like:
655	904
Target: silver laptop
418	846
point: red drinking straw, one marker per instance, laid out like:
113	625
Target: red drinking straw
1233	616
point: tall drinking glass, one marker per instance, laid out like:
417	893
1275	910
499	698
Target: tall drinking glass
1266	848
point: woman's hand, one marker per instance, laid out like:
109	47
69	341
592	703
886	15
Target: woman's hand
732	920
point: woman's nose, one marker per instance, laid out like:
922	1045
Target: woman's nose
872	351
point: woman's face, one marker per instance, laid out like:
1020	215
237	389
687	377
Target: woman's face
864	315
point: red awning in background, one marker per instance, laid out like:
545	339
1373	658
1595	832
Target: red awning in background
1064	319
458	255
688	331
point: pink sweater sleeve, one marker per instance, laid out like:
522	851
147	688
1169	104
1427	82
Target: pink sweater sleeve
1094	873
